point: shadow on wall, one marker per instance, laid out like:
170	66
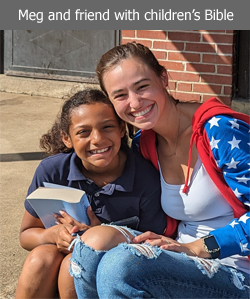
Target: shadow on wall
31	156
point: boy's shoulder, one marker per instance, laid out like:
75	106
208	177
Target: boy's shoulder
144	168
56	163
54	159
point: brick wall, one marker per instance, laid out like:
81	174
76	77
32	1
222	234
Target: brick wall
199	62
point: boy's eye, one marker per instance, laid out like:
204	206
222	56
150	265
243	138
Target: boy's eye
108	127
82	132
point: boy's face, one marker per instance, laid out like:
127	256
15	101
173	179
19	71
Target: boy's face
95	135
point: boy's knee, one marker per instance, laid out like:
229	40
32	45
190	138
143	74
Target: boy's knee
44	256
102	237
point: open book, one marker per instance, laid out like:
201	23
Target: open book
53	198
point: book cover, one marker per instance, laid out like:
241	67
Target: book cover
53	198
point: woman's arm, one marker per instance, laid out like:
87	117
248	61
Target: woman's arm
195	248
229	141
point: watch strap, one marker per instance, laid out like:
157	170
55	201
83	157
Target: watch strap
211	246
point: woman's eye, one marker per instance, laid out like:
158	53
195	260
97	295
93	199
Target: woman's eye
119	96
143	86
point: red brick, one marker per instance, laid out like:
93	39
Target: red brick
225	49
207	88
160	54
217	79
168	45
200	68
128	33
151	34
187	97
208	31
184	76
200	47
170	65
217	59
184	36
184	56
127	40
224	69
172	85
225	100
218	38
146	43
228	90
230	31
184	87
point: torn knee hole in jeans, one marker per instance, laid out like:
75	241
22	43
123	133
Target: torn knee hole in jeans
207	267
145	249
237	279
75	269
210	267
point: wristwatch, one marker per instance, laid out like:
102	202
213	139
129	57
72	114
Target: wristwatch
211	246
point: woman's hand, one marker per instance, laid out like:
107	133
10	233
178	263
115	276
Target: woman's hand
195	248
152	239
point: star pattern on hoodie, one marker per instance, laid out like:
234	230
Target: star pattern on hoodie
244	247
234	124
229	142
234	143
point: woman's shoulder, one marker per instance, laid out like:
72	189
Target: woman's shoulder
222	122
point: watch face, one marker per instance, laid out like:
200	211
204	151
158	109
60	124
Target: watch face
211	246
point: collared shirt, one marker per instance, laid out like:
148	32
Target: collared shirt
135	193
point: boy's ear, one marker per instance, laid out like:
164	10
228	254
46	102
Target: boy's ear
164	77
66	140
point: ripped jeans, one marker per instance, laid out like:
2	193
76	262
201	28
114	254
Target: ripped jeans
84	264
143	271
125	272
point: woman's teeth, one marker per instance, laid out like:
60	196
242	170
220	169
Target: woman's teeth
141	113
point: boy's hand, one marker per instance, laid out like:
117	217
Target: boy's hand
92	217
64	237
64	218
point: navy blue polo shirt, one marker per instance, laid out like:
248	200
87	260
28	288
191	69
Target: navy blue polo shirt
137	192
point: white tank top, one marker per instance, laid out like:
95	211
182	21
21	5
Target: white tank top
200	211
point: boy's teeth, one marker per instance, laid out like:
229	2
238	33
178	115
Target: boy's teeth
141	113
100	151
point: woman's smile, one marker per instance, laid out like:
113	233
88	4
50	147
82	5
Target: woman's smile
142	112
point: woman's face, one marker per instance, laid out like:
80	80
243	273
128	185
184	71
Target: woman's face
137	93
95	135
